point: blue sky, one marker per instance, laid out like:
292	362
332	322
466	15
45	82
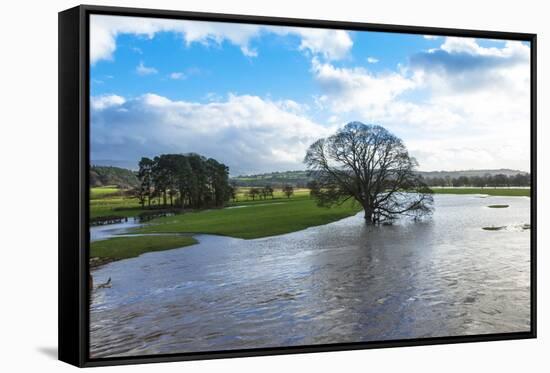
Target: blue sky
254	97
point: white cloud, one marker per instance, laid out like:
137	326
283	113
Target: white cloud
372	60
141	69
178	76
431	37
357	89
248	133
331	44
102	102
462	105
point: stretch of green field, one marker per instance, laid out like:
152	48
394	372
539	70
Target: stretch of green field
111	201
254	219
245	218
506	192
129	247
104	191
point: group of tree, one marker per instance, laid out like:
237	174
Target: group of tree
277	179
183	180
260	193
487	180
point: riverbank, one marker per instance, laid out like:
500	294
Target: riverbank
105	251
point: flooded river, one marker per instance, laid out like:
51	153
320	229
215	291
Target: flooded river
341	282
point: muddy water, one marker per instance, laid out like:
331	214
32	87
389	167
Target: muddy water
341	282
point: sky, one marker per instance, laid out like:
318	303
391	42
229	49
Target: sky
255	97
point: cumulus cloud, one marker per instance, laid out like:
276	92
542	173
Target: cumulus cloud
372	60
106	101
357	89
461	105
331	44
248	133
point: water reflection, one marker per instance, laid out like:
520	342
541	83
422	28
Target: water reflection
342	282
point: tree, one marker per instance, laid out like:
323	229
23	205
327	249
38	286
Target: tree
313	187
253	192
372	166
268	191
233	192
146	180
288	190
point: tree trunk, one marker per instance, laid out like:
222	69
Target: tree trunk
368	216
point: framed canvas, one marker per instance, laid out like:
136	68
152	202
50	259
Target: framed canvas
236	186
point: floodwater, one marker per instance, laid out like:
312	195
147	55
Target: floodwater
103	232
341	282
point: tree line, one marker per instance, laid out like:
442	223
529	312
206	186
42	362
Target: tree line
264	192
183	180
494	181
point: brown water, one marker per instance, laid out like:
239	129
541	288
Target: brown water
341	282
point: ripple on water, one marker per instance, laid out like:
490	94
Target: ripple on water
342	282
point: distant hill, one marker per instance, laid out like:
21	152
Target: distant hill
122	177
301	178
274	179
130	165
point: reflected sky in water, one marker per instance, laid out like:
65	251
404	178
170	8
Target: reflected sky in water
341	282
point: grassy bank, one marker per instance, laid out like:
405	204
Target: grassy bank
129	247
254	219
505	192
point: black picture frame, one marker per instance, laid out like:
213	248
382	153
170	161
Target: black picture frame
74	174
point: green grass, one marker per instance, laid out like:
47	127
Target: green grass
511	192
101	192
109	200
258	219
129	247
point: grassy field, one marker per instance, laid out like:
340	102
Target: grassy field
506	192
254	219
129	247
246	218
104	191
242	198
109	200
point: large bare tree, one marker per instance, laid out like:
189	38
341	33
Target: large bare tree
372	166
